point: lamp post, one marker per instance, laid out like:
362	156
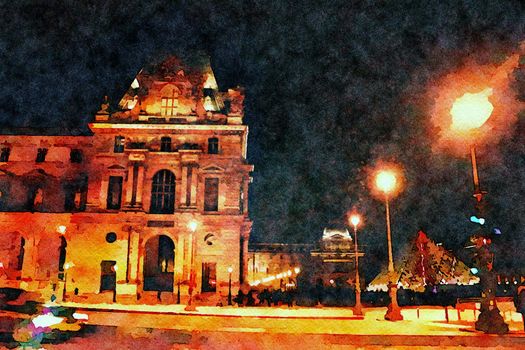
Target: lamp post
230	270
193	227
386	182
355	219
67	266
469	112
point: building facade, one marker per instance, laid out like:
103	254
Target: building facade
155	199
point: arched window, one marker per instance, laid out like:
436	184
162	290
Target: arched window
163	192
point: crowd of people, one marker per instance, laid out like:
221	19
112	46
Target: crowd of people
266	297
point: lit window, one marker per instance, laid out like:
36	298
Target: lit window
213	145
119	144
168	106
4	156
165	144
41	155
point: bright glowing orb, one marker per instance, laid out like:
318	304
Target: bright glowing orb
386	181
471	111
192	226
355	220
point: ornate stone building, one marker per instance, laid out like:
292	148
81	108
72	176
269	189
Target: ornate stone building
158	190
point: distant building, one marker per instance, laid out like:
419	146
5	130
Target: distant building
110	213
278	265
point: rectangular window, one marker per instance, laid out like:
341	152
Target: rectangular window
4	156
108	275
75	156
209	277
165	144
75	196
114	192
119	144
168	106
213	145
211	194
41	155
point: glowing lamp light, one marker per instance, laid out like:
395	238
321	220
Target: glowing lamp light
386	181
80	316
230	269
477	220
355	220
297	270
61	229
68	265
474	270
192	226
46	320
471	111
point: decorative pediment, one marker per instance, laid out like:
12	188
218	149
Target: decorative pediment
213	169
116	167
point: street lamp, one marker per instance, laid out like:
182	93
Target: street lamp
386	182
192	225
230	270
469	112
67	266
355	219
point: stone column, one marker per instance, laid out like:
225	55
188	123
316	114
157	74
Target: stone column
245	196
139	264
184	185
140	184
133	256
244	258
193	180
129	185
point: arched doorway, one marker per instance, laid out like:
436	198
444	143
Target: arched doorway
159	262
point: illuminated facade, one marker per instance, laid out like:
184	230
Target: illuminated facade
109	214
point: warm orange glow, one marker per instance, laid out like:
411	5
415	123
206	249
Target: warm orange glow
471	111
230	269
461	99
386	181
355	219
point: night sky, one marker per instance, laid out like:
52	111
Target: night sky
332	89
